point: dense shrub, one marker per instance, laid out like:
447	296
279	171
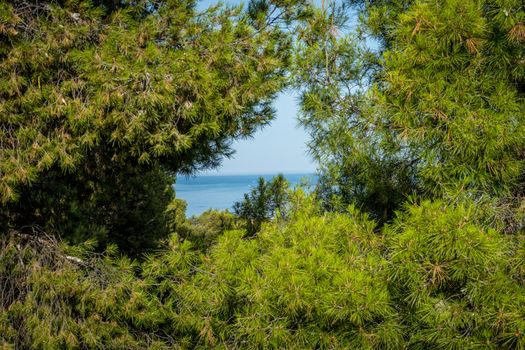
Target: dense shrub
455	282
436	278
315	282
59	297
124	205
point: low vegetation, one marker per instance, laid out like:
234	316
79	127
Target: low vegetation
434	278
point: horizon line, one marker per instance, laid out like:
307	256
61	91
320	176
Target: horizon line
262	173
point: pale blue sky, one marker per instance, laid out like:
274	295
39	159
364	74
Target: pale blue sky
279	147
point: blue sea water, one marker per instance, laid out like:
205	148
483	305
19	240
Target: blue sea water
222	191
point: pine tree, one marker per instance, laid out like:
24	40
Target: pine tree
97	94
435	108
453	89
263	203
359	160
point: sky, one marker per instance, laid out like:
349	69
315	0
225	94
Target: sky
278	148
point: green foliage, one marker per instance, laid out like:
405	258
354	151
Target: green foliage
258	293
263	202
204	230
98	97
171	85
455	282
125	205
200	231
54	297
453	89
435	111
314	283
102	102
436	278
436	108
358	162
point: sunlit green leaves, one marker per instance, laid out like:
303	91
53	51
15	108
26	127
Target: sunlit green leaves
156	81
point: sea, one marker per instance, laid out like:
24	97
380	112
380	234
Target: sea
222	191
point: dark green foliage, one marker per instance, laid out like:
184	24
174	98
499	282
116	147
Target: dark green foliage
263	202
123	205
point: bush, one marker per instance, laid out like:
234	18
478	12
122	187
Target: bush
453	280
436	278
313	282
60	297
